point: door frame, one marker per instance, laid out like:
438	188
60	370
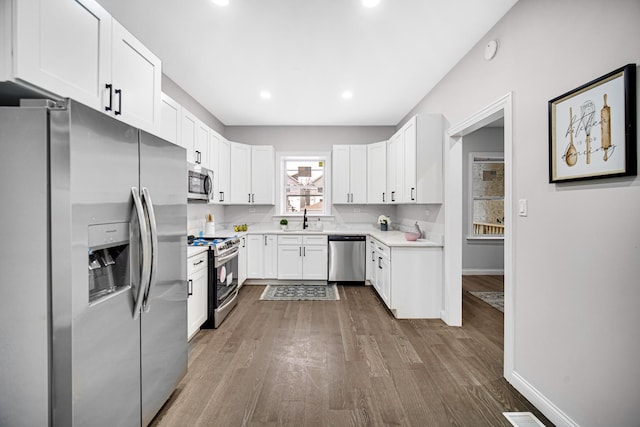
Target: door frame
454	163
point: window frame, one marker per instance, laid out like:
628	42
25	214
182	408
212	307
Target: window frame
281	197
493	157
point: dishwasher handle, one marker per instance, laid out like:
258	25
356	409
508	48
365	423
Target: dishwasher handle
346	238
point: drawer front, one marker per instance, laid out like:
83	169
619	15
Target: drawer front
314	240
383	250
196	263
290	240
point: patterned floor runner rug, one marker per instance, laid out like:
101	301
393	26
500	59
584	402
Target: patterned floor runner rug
300	292
494	298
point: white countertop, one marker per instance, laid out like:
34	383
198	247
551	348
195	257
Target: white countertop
389	238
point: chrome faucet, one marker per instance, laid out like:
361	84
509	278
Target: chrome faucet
419	230
305	221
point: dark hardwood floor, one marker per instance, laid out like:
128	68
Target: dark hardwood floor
344	363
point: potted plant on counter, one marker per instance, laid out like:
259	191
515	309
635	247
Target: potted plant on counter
283	224
384	221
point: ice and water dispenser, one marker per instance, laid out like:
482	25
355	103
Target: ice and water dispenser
108	259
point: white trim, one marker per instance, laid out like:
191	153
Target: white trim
482	272
453	219
551	411
281	157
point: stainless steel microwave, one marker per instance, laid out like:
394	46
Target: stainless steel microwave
200	183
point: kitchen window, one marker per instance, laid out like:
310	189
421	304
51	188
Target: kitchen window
303	185
486	190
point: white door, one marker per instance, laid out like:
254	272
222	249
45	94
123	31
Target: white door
263	174
136	72
377	172
64	47
170	123
289	262
358	173
255	256
270	256
340	178
315	262
409	136
241	167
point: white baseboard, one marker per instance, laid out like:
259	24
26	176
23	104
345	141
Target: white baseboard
482	272
544	405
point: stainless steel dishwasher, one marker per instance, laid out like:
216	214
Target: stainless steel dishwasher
347	258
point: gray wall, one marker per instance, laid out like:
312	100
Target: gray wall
307	138
187	101
479	255
577	254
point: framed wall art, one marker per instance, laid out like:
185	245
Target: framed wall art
592	129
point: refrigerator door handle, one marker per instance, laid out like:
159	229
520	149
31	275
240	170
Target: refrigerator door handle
145	274
154	246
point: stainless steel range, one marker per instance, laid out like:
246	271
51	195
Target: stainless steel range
222	278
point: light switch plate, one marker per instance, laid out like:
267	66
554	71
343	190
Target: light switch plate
522	207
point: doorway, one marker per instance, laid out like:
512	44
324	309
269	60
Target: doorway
454	162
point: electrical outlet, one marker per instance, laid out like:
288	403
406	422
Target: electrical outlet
252	210
356	210
427	213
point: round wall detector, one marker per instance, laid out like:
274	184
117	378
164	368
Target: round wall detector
490	50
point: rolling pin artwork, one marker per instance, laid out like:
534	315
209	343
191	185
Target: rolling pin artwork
605	128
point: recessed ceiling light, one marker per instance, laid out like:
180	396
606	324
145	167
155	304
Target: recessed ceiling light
265	94
221	2
347	94
370	3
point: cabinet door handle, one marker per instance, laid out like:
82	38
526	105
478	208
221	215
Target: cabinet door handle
189	287
198	263
300	251
379	263
383	200
110	106
119	110
197	159
243	242
249	194
253	197
304	251
393	196
222	196
265	240
373	256
413	197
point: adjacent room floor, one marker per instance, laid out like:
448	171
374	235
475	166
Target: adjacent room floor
345	363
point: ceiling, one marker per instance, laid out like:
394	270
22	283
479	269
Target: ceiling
306	53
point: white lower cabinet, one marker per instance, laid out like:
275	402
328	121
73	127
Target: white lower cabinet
196	293
242	261
262	256
302	257
408	279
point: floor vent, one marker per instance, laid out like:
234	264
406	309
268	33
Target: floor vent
523	419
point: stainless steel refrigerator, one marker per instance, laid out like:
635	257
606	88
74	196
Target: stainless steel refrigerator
93	309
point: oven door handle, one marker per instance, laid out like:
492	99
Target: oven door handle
231	300
224	259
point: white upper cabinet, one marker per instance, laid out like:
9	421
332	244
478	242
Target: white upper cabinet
136	76
377	172
263	163
414	161
63	47
75	49
253	174
224	172
241	166
201	145
170	120
189	127
349	174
